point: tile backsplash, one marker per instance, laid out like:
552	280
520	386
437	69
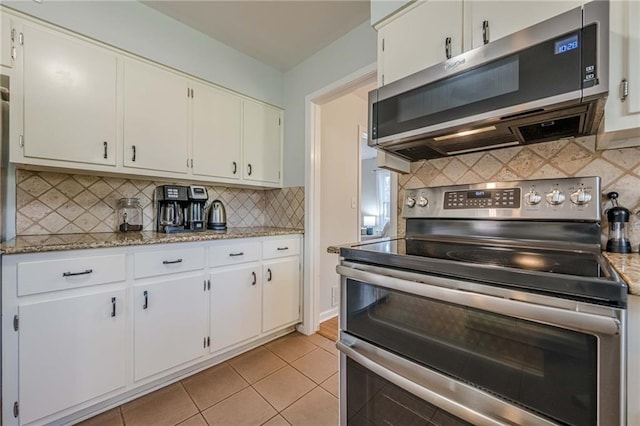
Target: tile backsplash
618	168
57	203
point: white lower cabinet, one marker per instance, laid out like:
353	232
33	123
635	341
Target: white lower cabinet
169	323
72	349
236	299
280	293
80	328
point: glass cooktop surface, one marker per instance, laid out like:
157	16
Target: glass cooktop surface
567	262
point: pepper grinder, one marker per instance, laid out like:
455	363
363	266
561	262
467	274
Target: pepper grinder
618	230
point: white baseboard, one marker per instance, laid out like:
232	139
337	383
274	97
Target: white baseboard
333	312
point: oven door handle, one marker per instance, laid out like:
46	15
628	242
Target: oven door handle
578	321
459	399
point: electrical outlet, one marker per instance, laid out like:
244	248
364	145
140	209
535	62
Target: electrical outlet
334	295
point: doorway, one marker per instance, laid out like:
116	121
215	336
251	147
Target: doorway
332	188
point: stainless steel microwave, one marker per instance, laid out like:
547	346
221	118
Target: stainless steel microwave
543	83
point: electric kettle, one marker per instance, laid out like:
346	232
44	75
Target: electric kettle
217	219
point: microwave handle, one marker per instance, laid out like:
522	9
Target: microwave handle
578	321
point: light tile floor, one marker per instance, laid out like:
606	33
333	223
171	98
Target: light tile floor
290	381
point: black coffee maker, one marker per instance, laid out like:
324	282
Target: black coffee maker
171	202
194	215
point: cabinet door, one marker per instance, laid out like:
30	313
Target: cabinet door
155	118
417	39
235	306
262	143
216	132
71	350
169	324
69	99
507	17
6	40
280	293
622	115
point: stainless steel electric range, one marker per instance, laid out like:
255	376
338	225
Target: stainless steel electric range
497	308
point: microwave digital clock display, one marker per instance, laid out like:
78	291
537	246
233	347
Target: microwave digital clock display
566	44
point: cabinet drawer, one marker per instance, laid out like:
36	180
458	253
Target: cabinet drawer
168	261
234	253
67	273
281	247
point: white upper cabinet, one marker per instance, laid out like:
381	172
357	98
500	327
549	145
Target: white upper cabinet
216	132
621	126
490	20
69	98
262	143
7	37
420	37
155	118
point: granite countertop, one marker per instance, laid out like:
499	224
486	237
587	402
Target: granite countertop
61	242
628	266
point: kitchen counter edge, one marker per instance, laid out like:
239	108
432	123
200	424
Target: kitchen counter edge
628	266
63	242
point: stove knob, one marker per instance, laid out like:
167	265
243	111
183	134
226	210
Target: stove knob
580	197
422	201
532	197
411	201
555	197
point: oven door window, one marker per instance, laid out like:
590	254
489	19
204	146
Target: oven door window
372	400
548	370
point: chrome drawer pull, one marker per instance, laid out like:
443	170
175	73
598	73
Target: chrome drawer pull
236	254
283	248
171	262
72	274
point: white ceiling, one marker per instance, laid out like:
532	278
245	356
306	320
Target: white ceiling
278	33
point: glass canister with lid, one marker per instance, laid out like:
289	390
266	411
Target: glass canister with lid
129	215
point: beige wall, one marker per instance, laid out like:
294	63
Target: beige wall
618	168
58	203
339	184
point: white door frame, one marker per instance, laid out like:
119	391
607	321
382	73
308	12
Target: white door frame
312	250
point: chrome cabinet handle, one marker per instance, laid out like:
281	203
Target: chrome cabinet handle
249	168
171	262
105	144
447	47
113	307
133	148
236	254
485	32
73	274
624	89
255	278
282	248
145	305
235	167
270	276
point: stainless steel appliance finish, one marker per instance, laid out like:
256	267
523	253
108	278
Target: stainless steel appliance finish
217	216
497	308
546	82
4	153
194	215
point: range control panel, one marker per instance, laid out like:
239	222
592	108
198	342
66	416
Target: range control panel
544	199
507	198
